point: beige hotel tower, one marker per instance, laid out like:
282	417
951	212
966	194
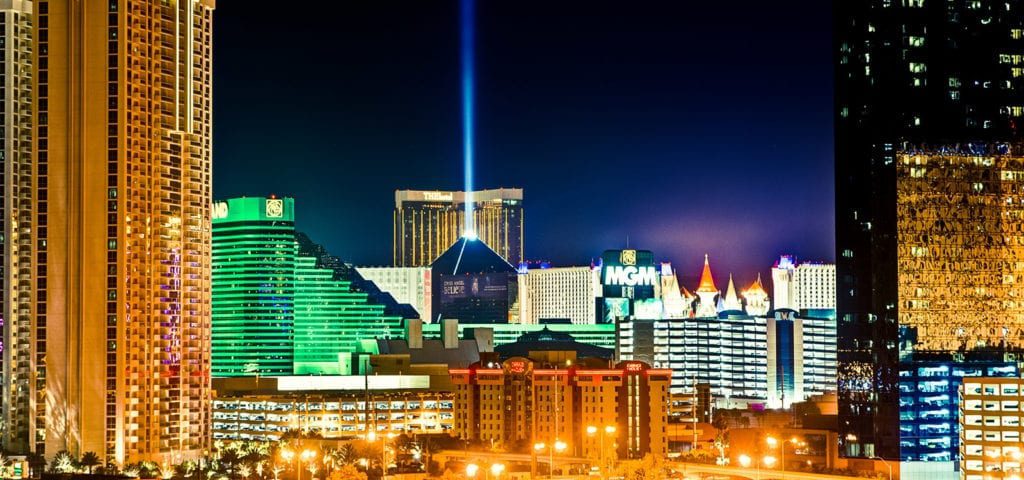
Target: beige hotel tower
106	246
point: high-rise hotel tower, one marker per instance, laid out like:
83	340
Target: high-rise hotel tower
17	256
115	358
427	223
929	215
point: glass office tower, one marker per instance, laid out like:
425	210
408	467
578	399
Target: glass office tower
928	109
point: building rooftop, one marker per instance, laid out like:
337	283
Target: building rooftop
548	340
433	352
470	256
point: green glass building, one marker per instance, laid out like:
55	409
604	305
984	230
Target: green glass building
276	312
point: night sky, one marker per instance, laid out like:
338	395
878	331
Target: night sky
689	127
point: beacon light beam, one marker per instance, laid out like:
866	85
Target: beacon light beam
466	17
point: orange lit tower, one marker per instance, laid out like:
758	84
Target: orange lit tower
123	95
706	292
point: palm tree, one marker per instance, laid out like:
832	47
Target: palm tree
62	462
5	466
89	460
346	454
245	470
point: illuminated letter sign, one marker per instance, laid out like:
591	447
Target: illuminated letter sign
220	210
634	367
630	276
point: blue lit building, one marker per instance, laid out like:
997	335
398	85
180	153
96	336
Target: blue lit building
929	404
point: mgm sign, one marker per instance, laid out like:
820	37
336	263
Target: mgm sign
628	274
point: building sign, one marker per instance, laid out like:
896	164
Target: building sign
275	208
438	196
629	274
220	210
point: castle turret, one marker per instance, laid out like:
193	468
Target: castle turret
756	298
732	301
706	292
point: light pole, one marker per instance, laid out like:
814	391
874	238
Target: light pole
307	456
559	446
887	465
745	463
609	431
471	470
496	469
287	455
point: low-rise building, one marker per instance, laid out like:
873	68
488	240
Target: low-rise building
585	405
335	407
990	428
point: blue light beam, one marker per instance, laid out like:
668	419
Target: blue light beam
467	14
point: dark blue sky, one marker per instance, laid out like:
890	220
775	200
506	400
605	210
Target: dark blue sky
691	127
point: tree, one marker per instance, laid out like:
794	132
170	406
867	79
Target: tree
5	467
229	459
244	470
345	454
276	470
62	462
184	469
90	461
347	472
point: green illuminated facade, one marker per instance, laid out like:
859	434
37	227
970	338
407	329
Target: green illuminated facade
276	312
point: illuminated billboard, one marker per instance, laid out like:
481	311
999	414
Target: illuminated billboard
628	274
486	286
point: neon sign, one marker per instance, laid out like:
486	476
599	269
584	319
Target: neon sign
630	276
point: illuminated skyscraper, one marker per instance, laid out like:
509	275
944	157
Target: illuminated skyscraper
17	259
253	286
276	309
928	111
426	223
120	283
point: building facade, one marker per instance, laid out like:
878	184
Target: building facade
991	429
930	403
18	285
426	223
803	286
120	177
601	335
937	83
331	407
564	293
275	311
409	285
522	401
253	286
774	360
473	284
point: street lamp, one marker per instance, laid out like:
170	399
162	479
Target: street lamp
769	461
307	456
609	431
471	470
887	465
287	455
497	468
744	461
559	446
